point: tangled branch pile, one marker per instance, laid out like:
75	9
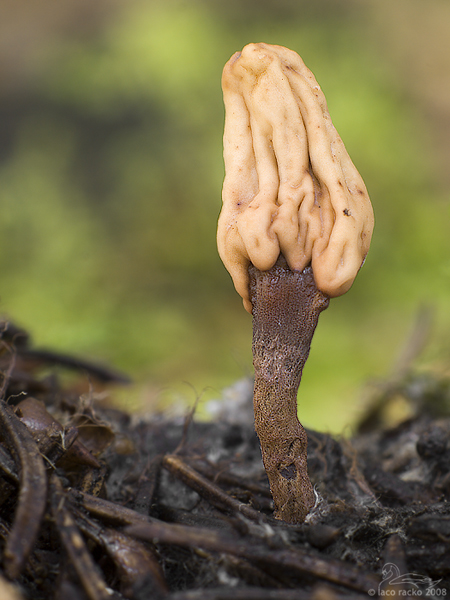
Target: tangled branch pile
97	504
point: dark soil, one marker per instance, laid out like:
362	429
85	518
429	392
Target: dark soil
95	503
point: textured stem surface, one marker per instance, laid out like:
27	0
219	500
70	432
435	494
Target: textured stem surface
286	307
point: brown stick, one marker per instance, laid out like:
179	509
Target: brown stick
32	492
112	512
89	574
296	561
135	562
259	593
208	490
286	307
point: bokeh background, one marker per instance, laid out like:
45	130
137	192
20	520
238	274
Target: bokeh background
111	168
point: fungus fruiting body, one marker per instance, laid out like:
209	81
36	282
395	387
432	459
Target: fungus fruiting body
294	230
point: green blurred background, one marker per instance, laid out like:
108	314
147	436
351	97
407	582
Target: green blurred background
111	168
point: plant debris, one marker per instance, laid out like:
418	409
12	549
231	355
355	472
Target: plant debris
98	504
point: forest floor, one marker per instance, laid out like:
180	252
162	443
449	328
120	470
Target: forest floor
96	503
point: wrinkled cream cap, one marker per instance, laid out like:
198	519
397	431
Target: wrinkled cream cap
290	187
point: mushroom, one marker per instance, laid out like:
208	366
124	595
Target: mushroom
294	230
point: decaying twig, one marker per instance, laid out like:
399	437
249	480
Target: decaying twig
148	484
135	563
208	490
33	491
75	546
256	593
297	561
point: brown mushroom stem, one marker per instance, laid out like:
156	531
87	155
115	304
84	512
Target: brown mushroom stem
286	307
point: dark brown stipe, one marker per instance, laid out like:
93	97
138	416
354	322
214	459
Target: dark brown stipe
286	307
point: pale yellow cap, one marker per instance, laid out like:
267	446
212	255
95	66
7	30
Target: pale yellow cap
290	187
